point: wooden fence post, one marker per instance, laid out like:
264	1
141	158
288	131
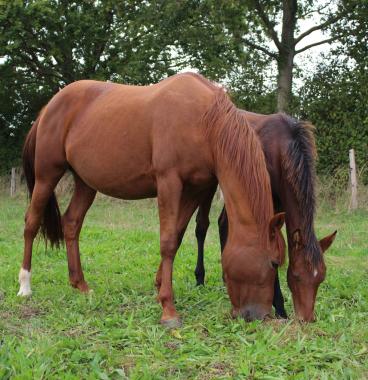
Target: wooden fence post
353	181
13	182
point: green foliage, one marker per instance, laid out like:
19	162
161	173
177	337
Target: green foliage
114	332
48	44
335	98
20	101
336	102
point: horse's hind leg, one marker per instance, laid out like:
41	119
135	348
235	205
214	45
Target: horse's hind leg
42	192
72	221
202	223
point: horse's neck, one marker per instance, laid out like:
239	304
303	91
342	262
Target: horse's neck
241	219
294	219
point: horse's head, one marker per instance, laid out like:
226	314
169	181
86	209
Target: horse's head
250	270
303	277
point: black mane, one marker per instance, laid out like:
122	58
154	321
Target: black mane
299	165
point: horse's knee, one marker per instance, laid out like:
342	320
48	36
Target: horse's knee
201	228
168	246
200	232
70	227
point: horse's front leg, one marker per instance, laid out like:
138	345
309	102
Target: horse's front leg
202	223
169	191
278	299
175	210
223	226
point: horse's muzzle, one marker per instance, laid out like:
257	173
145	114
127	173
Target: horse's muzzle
251	313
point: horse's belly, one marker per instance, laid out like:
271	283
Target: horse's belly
124	186
114	173
138	189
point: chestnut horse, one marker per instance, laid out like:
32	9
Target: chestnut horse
289	149
173	140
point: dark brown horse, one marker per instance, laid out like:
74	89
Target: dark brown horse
174	140
289	149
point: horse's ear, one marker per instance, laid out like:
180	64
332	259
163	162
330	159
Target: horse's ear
296	239
326	242
276	223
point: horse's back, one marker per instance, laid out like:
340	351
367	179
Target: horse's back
118	138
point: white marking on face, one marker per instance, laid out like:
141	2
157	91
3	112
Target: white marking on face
315	273
25	283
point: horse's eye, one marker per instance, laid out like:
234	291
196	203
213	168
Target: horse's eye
275	264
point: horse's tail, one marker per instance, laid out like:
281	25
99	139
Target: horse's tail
51	227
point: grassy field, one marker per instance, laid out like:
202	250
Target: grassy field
114	333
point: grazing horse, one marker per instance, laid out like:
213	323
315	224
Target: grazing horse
173	140
289	149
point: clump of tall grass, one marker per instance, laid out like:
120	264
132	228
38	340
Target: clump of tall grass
334	191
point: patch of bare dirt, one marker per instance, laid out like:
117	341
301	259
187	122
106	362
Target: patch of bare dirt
217	370
127	366
172	345
27	312
5	315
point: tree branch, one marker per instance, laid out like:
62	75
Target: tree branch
328	22
98	51
318	10
258	47
30	56
327	40
269	27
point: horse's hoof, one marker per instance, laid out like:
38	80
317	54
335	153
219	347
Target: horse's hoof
82	286
280	321
172	323
25	283
24	292
281	315
281	318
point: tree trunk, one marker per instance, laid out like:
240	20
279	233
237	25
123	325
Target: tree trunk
284	81
285	61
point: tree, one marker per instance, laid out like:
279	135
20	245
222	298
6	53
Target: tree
234	30
292	12
44	45
335	97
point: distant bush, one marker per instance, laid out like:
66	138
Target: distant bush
335	100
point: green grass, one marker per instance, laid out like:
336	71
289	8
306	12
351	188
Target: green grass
114	332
